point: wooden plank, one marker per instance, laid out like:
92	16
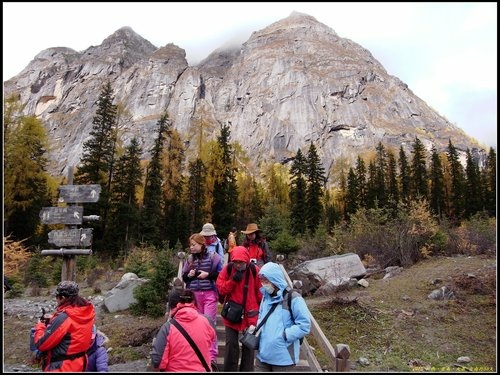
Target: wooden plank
79	193
61	215
67	252
71	237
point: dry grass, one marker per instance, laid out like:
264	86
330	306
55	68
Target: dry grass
396	327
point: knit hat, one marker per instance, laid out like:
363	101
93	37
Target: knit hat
208	230
67	289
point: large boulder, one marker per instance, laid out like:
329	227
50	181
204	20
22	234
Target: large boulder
334	270
122	295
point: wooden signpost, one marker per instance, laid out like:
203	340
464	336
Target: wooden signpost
70	215
71	237
62	215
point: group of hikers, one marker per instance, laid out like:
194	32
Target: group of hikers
256	304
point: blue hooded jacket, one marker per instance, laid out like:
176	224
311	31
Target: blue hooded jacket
280	335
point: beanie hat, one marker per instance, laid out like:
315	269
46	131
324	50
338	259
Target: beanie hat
67	289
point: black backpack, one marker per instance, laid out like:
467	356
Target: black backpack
290	294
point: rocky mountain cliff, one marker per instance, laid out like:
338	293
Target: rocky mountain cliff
291	83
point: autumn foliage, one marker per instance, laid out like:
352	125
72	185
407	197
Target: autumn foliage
15	256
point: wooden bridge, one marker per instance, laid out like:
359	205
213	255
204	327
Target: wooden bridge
338	356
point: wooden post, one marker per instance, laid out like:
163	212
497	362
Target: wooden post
68	271
71	216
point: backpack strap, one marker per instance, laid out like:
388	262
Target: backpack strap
289	295
192	343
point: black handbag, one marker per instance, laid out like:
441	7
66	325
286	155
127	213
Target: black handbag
232	311
251	340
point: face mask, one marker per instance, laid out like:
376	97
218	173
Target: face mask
269	288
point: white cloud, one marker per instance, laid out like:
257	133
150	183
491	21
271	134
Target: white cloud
443	51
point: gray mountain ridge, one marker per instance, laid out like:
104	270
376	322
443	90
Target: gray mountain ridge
293	82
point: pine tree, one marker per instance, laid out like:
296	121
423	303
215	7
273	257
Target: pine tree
392	180
490	182
175	213
298	192
419	175
352	202
316	180
457	191
371	186
276	181
124	206
98	151
404	176
152	218
196	195
225	194
26	183
437	196
361	183
96	165
473	192
250	198
380	180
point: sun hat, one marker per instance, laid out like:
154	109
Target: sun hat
252	227
208	230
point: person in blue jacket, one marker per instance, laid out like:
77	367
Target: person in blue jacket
279	347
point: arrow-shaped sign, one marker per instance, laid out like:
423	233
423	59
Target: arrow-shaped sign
71	237
61	215
79	193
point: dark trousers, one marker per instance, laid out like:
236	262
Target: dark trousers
232	355
266	367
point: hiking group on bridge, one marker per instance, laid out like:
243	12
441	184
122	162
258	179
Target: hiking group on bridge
254	295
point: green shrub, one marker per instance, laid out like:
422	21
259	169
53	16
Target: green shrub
285	244
152	296
140	260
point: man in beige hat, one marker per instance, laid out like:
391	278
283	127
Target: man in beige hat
256	244
212	242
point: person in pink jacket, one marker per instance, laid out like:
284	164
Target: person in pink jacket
231	283
171	351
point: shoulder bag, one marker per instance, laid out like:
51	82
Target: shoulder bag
251	340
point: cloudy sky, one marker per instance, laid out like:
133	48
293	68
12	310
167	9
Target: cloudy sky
445	52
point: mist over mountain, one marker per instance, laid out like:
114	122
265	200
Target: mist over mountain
292	83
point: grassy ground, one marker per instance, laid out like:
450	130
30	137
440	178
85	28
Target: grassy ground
396	327
391	323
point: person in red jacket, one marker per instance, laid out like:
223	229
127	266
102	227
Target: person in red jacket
67	334
232	285
171	351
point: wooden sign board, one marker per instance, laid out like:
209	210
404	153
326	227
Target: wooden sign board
71	237
62	215
79	193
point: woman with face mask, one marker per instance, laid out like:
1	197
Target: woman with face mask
279	345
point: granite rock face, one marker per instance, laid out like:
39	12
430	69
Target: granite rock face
291	83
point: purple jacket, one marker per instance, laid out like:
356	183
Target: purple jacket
98	355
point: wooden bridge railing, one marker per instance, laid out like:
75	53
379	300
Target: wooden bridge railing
339	356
